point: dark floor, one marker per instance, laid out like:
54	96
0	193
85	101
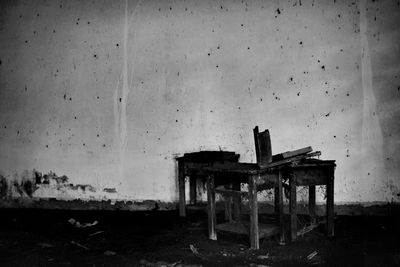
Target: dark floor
46	238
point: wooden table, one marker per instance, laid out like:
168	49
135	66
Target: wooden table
192	165
255	178
312	172
307	172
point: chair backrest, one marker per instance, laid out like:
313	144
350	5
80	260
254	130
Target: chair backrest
263	147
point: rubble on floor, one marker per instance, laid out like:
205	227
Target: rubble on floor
162	238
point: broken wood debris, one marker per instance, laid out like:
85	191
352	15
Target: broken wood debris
44	245
263	257
312	255
144	262
79	245
292	153
81	225
307	229
110	253
196	252
96	233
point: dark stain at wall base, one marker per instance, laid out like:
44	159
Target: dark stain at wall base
110	190
61	180
83	187
380	209
45	179
28	186
78	204
3	187
30	181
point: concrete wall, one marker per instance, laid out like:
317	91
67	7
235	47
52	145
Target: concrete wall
107	93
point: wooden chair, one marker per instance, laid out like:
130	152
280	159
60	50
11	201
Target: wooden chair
262	142
268	173
263	149
226	179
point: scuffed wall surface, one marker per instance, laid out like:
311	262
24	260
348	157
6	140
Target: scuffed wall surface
108	92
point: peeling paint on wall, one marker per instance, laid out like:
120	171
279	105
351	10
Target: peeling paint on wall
34	185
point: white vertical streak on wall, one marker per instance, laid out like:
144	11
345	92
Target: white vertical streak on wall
132	20
116	117
121	96
372	140
125	86
124	96
120	101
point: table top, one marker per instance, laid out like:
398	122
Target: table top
209	156
254	169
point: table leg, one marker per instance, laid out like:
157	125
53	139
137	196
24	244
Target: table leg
254	234
279	209
311	204
276	201
181	182
193	189
228	204
293	207
212	219
237	200
330	206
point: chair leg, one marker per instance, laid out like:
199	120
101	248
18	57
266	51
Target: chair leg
330	207
254	234
212	220
279	209
293	207
193	189
276	201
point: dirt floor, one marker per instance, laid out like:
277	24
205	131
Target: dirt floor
161	238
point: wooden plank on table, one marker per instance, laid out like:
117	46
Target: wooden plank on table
292	159
210	156
317	162
240	168
292	153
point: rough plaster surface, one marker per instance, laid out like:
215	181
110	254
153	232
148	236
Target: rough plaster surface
109	92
